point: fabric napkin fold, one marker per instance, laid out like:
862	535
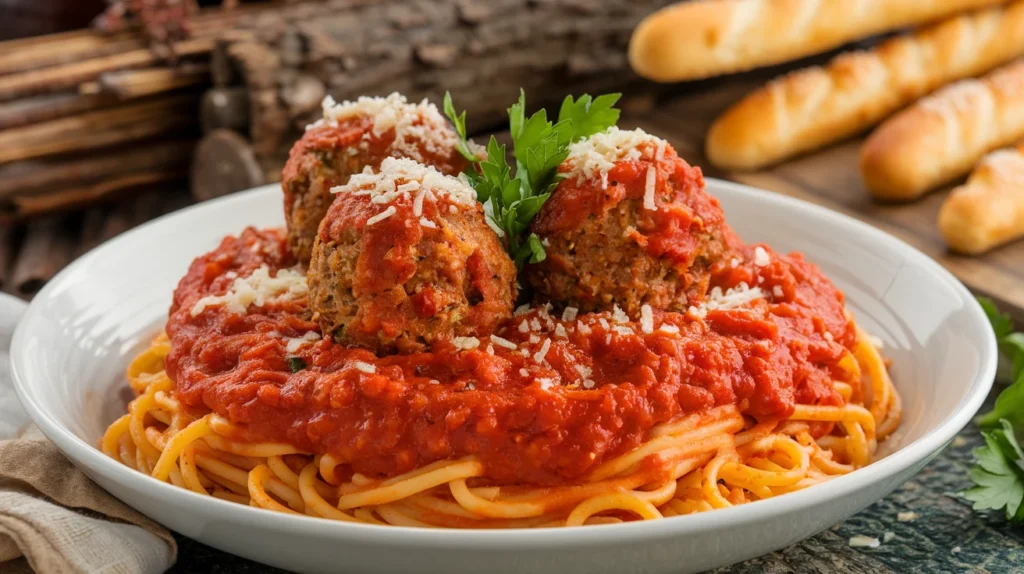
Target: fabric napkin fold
53	519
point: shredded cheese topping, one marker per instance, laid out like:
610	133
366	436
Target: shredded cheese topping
466	343
646	319
417	126
256	289
761	257
398	180
294	344
594	157
365	367
649	189
738	296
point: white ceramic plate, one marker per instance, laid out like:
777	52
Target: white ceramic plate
72	346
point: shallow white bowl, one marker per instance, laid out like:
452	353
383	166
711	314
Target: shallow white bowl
72	346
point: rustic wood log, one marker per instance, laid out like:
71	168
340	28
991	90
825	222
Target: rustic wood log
17	207
483	52
52	174
66	76
48	246
160	116
225	108
54	49
48	107
224	163
134	84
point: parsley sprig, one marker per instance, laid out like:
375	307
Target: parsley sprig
998	474
512	199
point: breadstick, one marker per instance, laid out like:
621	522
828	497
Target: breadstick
988	210
817	106
706	38
942	136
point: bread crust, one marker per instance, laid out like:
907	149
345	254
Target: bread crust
941	137
704	38
988	210
816	106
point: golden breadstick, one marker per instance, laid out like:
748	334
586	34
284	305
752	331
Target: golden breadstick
816	106
988	210
944	135
705	38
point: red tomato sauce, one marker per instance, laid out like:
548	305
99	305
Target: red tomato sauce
594	394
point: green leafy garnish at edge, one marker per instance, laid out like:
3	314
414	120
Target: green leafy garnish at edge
998	474
512	199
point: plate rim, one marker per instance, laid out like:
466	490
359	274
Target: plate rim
80	451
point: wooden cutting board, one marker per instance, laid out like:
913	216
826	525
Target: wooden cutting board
830	178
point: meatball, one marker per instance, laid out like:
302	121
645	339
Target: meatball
629	225
404	258
350	137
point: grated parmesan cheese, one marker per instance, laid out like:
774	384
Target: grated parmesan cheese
522	309
524	327
524	372
907	516
888	536
560	331
503	342
584	328
646	319
619	316
391	210
738	296
256	289
588	384
569	314
417	126
669	328
777	292
594	157
364	367
545	383
584	371
466	343
294	344
649	189
394	179
427	223
860	541
761	257
539	355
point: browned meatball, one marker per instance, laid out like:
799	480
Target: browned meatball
351	137
630	225
405	258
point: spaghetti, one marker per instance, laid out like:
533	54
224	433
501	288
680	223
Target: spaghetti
701	461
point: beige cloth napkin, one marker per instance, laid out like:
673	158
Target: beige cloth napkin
53	519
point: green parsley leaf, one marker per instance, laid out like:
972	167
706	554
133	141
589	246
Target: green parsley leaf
999	474
1010	402
1001	322
459	123
513	198
296	364
589	117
